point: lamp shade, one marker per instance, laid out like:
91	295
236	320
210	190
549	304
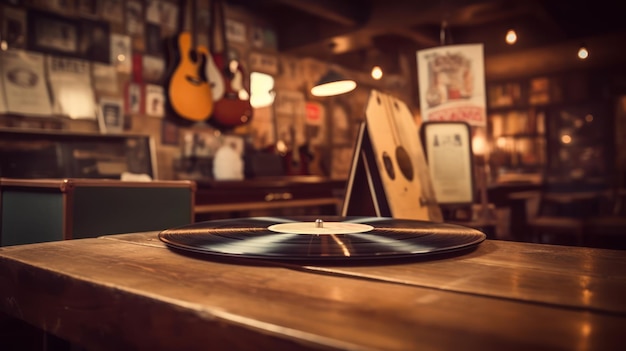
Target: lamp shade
333	83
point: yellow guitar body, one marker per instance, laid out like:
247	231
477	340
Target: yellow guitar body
189	91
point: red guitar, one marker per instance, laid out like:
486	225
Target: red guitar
234	108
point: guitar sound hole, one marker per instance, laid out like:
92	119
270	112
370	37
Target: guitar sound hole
404	163
388	166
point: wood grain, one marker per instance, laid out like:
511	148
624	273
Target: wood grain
129	292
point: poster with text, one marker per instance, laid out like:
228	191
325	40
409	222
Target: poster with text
24	83
71	85
452	83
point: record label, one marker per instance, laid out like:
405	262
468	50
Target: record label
319	227
317	239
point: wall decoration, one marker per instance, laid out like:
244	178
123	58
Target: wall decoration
153	11
111	115
134	99
153	68
448	149
155	100
169	18
121	53
53	34
315	125
263	38
104	79
154	44
95	41
112	10
14	27
134	18
70	82
170	133
235	31
24	83
137	67
452	83
289	116
264	63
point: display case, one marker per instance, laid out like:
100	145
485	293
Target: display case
29	154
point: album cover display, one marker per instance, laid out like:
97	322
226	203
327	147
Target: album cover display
389	175
314	238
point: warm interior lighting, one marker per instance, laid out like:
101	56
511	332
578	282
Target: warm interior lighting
479	144
511	37
566	139
121	57
377	72
501	142
332	83
261	89
583	53
4	45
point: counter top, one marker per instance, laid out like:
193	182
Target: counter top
130	291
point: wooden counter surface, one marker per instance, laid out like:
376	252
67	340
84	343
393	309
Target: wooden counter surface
129	291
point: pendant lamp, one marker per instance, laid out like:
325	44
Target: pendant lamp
333	83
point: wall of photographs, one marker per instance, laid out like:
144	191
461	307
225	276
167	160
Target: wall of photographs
101	65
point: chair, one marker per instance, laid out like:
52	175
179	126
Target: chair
608	229
561	215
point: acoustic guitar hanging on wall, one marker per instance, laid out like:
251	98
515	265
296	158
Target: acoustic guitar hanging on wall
233	109
188	88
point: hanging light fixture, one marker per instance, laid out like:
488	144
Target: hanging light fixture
333	83
511	37
583	53
377	72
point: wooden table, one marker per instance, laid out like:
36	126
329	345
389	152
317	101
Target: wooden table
129	292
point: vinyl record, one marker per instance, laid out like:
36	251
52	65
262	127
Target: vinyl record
320	238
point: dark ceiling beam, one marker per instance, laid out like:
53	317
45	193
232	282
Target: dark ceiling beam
342	12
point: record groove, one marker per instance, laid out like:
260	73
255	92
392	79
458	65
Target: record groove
389	238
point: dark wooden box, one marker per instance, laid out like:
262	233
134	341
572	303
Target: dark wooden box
41	210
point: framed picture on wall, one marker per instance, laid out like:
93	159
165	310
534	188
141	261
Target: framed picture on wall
95	41
53	34
111	115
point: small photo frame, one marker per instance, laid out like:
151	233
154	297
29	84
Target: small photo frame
53	34
111	115
169	133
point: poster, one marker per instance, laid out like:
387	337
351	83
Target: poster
70	81
154	100
448	148
452	84
24	83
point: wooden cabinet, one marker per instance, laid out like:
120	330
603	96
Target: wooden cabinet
39	210
293	195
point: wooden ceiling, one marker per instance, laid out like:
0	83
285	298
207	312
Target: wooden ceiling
355	33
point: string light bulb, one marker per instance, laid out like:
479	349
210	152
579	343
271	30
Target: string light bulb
511	37
377	72
583	53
